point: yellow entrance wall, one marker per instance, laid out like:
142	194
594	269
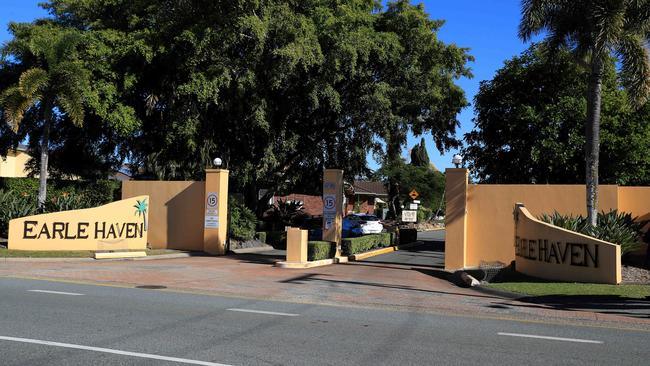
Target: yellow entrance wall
635	200
553	253
490	222
114	226
176	212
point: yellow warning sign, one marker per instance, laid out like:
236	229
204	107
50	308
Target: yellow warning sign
414	194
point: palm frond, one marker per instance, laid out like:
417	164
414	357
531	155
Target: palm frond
608	19
537	15
635	67
32	83
14	104
72	83
637	18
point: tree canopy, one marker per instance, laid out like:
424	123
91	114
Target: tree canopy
419	155
429	183
52	84
276	88
595	31
529	124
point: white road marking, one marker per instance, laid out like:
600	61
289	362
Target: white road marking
57	292
113	351
577	340
262	312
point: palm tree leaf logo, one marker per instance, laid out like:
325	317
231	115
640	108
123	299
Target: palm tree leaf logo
141	210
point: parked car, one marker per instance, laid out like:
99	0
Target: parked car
361	224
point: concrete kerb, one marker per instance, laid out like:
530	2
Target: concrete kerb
351	258
147	258
500	293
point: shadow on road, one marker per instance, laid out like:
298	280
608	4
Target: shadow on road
604	304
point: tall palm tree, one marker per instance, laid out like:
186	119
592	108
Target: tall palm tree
53	85
596	30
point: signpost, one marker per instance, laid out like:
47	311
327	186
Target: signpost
414	194
409	216
333	207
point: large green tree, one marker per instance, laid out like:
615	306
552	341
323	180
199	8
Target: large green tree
529	122
594	30
51	86
279	89
429	183
419	155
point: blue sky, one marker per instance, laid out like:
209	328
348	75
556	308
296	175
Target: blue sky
487	27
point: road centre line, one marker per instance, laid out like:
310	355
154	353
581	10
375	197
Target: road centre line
112	351
261	312
577	340
57	292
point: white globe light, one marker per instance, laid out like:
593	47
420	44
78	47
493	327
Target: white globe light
217	162
457	160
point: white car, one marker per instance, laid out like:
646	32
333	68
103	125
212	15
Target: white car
361	224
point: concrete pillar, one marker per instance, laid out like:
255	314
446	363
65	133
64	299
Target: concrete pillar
456	185
215	228
296	245
333	207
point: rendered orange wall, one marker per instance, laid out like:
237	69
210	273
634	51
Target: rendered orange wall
490	223
176	212
635	200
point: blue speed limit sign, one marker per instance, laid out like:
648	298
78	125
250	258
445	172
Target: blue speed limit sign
329	202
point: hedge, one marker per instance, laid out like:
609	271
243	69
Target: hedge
96	193
317	250
365	243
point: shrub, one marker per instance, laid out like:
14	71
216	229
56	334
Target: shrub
242	221
66	202
12	206
261	236
317	250
364	243
92	193
424	214
286	213
614	227
277	239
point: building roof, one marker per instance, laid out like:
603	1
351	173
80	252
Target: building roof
370	188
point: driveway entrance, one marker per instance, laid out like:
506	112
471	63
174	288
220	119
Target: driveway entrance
429	255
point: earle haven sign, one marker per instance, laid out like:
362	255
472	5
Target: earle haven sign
116	226
546	251
557	252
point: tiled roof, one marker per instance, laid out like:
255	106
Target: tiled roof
365	187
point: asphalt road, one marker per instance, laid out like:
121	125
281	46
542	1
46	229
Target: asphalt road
100	325
430	254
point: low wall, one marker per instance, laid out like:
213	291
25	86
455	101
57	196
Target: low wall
176	212
115	226
546	251
489	214
479	224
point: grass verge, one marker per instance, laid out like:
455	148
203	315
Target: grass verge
512	281
573	289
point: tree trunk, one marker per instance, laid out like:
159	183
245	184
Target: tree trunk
592	141
45	141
